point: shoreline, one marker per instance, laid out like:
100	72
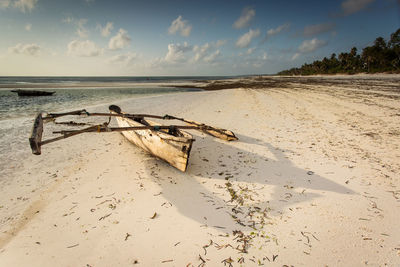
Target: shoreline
96	85
264	82
311	181
209	84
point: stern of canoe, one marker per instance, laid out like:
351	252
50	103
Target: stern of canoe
173	149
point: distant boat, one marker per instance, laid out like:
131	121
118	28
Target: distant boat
32	92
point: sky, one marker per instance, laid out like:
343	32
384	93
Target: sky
183	38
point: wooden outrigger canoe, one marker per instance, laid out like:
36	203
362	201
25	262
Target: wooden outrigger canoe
32	92
173	145
166	142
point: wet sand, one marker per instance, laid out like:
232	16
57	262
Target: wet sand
313	180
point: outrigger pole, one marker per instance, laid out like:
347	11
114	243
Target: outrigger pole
213	131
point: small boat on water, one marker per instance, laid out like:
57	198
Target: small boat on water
172	146
32	92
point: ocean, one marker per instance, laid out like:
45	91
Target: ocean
71	93
78	92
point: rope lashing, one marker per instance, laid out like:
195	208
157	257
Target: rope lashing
168	117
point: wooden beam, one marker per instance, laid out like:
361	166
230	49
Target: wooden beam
36	135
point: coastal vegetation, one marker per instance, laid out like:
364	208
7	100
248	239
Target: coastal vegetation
382	56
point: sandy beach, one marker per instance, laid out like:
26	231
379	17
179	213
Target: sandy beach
312	181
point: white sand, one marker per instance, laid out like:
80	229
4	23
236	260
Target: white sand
315	171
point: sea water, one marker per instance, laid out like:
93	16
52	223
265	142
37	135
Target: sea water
71	93
78	92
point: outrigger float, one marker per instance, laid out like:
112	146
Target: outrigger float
167	142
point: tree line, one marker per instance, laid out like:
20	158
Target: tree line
382	56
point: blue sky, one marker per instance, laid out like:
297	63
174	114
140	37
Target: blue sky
148	38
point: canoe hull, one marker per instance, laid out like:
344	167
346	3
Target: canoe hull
174	149
32	93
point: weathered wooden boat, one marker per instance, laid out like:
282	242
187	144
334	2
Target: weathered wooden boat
172	145
167	142
32	92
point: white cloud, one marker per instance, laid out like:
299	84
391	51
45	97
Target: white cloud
125	59
295	56
176	52
28	27
258	64
83	49
212	57
220	43
22	5
265	56
187	55
119	41
5	3
68	20
27	49
106	30
277	30
250	51
246	38
181	26
316	29
244	20
200	51
353	6
25	5
309	46
204	53
81	31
